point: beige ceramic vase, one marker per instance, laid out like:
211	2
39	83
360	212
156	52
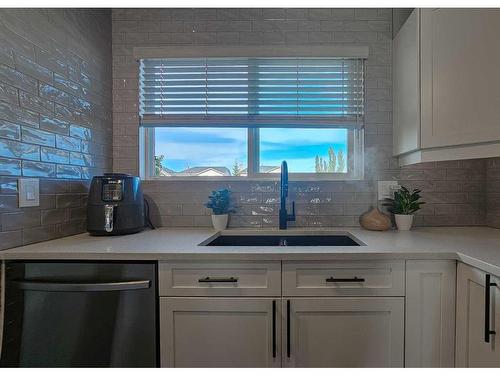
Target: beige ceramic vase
375	220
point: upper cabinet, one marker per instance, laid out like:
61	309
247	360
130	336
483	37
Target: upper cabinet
445	85
406	90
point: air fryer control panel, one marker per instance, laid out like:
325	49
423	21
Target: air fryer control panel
112	190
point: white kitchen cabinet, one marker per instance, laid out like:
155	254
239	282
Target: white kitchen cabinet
445	85
406	86
430	313
220	279
460	54
344	278
220	332
343	332
475	346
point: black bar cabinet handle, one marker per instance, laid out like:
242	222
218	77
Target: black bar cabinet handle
487	295
355	279
288	328
218	280
274	328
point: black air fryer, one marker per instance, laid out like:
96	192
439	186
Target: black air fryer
115	205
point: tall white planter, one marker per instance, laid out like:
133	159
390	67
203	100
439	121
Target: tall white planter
404	222
220	221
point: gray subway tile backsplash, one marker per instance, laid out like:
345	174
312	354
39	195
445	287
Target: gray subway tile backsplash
85	146
68	200
53	60
8	185
320	203
54	155
59	102
69	171
80	104
76	158
36	103
80	132
33	69
39	137
44	89
19	220
66	84
49	92
88	173
457	184
54	216
10	167
14	149
68	143
10	239
54	125
38	169
88	160
9	94
493	192
10	130
38	234
18	115
17	79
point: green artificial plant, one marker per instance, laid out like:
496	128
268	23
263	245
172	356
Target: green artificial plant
220	202
405	202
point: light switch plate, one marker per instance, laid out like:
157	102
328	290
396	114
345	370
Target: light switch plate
386	189
29	192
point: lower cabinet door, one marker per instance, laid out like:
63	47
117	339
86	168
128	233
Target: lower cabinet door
220	332
343	332
430	313
477	318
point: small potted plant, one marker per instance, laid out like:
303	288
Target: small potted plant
220	204
404	204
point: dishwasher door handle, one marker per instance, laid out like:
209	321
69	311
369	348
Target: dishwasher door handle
58	286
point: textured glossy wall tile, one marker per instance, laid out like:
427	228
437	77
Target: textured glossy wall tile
454	190
55	116
493	192
19	150
54	155
9	130
10	167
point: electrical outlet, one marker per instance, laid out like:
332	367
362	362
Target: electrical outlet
386	189
29	192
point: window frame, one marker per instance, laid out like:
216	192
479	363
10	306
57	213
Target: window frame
355	158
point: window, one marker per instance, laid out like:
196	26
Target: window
240	117
194	151
307	150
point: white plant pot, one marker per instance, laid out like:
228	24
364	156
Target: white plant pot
220	221
404	222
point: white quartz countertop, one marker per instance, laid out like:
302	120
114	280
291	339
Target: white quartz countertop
477	246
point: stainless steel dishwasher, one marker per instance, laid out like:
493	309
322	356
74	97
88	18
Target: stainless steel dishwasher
80	314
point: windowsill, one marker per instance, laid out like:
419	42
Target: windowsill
253	179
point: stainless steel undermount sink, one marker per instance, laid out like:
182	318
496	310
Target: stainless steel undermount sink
278	239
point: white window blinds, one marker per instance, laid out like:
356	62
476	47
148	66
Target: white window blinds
246	91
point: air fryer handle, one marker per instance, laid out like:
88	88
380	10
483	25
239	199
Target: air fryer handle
108	217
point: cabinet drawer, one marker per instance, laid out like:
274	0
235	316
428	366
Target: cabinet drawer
343	278
220	278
